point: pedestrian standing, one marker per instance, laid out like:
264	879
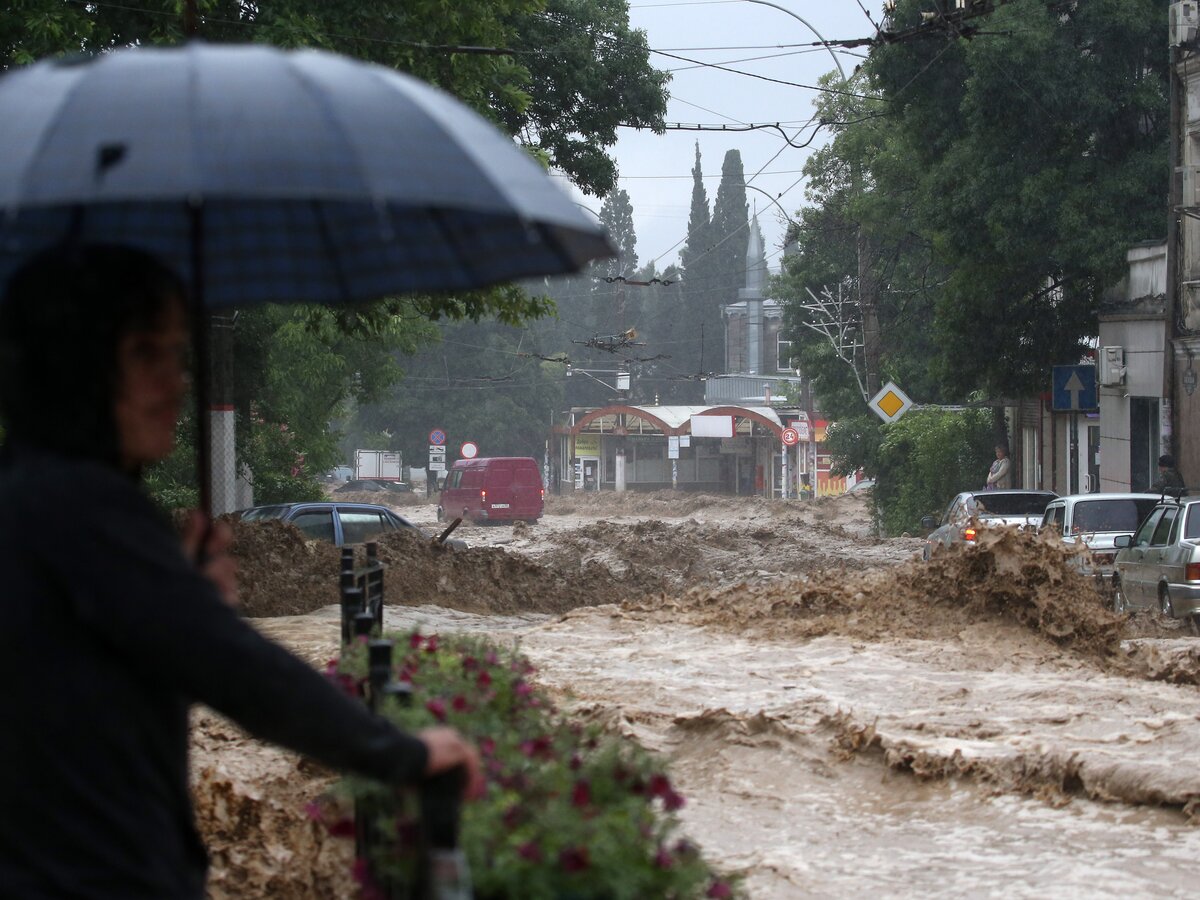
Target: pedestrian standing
112	629
999	476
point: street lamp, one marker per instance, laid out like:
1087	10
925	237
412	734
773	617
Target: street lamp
807	25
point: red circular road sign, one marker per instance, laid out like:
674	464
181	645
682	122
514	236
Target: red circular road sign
790	436
469	450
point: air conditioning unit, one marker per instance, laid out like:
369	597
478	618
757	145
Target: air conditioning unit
1110	366
1185	22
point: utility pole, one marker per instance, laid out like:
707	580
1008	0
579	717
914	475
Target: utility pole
1174	202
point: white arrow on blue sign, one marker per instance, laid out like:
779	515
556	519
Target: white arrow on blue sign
1074	389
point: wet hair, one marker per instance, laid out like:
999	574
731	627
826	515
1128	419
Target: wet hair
1166	461
62	318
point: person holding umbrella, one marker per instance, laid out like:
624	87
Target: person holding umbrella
111	629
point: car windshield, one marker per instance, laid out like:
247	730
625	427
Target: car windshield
997	504
1124	514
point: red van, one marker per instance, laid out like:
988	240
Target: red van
493	489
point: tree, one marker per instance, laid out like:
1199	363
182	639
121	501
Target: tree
1040	155
565	105
729	233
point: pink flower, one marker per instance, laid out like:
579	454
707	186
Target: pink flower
491	658
660	785
343	827
530	851
431	644
522	689
574	859
539	746
663	859
720	890
512	817
437	708
484	679
582	793
415	640
576	762
673	801
459	703
469	663
487	746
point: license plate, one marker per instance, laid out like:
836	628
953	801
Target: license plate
499	506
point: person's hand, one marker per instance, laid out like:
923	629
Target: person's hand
209	547
448	749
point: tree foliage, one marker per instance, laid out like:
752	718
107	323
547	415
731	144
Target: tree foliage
990	192
559	75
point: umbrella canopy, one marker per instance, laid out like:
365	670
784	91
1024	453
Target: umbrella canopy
296	176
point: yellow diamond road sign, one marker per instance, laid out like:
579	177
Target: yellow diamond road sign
890	403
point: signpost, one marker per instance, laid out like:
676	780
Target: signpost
1074	389
890	403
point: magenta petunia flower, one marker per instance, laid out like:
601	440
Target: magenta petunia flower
431	644
522	689
581	795
437	708
415	640
484	680
660	785
673	801
720	890
459	703
663	859
574	859
487	746
530	851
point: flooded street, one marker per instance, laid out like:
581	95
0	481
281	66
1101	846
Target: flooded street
980	726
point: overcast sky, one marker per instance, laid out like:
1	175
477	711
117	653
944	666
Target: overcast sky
656	169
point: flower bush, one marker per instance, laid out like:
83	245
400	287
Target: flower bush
569	811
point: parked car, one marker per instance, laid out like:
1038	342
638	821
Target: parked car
1159	566
981	509
1096	521
338	523
493	489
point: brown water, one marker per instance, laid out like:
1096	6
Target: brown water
762	736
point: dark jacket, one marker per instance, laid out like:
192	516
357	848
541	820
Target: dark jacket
107	635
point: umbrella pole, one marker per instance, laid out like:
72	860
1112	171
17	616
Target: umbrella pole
202	365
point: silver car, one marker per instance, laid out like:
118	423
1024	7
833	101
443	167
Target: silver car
983	509
1159	566
1096	521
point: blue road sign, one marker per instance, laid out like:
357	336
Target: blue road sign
1074	389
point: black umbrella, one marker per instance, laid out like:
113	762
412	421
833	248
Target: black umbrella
270	176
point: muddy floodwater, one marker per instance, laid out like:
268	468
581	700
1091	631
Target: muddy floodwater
842	719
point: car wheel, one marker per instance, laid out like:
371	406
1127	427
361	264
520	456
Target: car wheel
1120	601
1164	603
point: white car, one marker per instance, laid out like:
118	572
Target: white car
983	509
1096	521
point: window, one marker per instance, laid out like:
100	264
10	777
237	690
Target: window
1192	531
361	525
454	479
315	523
1142	538
1110	515
1054	518
1163	529
783	358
